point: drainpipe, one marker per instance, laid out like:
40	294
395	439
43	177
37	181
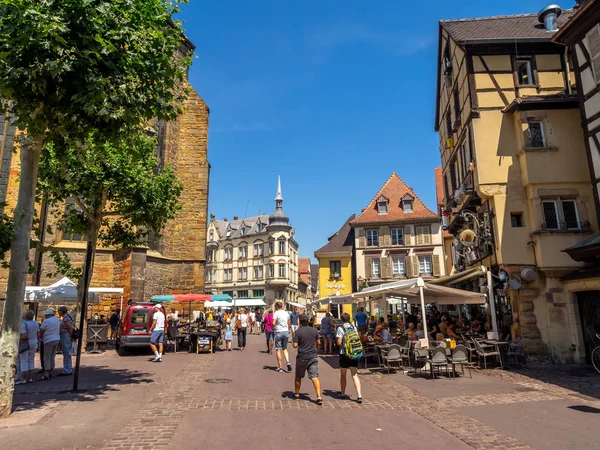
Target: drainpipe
491	299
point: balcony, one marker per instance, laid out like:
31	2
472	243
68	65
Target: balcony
278	282
562	227
212	244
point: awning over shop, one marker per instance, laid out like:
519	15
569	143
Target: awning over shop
459	277
410	289
181	298
297	305
238	303
335	300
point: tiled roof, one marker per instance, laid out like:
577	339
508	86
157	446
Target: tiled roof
250	223
439	185
521	26
394	189
303	265
304	279
342	241
314	276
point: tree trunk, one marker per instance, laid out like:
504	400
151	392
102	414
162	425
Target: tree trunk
19	264
83	287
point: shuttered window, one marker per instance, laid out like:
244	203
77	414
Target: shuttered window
423	235
375	267
398	267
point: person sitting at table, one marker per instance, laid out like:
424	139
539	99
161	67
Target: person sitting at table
434	331
450	332
420	333
411	332
372	322
444	325
382	333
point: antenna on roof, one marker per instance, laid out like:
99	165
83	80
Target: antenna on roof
246	210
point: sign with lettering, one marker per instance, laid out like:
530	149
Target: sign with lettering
467	238
335	286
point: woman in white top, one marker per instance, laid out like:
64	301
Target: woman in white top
242	320
30	332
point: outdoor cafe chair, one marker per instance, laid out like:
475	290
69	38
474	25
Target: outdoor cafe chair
392	355
171	341
516	352
405	353
486	351
471	348
438	359
420	357
459	356
402	341
369	350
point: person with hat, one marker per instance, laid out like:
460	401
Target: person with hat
50	333
157	333
228	334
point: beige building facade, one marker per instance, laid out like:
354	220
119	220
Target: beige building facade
516	184
397	237
253	256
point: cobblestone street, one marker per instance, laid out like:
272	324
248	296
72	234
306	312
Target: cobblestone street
197	400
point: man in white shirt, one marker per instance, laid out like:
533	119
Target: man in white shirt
281	327
157	333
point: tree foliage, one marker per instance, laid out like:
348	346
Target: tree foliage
114	190
69	64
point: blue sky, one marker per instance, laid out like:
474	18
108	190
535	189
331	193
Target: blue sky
333	95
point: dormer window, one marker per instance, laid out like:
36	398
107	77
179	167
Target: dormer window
211	236
259	227
382	205
229	231
407	204
243	231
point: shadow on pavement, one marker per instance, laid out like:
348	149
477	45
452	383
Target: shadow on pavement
582	379
94	381
273	368
585	409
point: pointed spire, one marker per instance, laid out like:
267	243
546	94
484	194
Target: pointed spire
278	196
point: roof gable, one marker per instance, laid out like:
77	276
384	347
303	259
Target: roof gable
395	190
342	241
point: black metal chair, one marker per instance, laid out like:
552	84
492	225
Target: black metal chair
459	356
439	360
392	355
171	340
485	351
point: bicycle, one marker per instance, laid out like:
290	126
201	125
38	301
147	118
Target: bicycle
596	355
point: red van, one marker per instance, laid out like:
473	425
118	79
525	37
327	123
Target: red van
134	328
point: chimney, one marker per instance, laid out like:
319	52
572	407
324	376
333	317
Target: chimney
235	217
548	16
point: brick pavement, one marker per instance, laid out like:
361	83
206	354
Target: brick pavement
179	391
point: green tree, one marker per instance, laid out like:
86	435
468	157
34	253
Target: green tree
69	67
111	192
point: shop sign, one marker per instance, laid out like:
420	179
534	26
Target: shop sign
335	286
467	238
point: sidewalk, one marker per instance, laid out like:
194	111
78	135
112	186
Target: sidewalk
193	400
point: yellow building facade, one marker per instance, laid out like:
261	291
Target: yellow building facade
336	269
516	183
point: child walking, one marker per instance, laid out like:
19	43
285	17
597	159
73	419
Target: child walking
228	335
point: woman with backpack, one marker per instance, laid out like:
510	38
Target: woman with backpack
66	331
350	345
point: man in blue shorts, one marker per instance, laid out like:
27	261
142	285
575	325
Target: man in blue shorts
157	333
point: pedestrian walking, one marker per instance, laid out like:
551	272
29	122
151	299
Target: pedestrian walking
66	331
327	333
242	321
252	316
269	333
281	327
30	333
113	321
50	334
228	335
350	345
294	320
157	333
259	320
306	340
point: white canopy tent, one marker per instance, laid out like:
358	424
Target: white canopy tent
417	291
65	291
335	300
297	305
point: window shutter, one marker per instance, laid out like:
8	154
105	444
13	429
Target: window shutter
362	240
386	269
385	239
414	262
419	235
407	236
407	267
427	235
368	264
436	265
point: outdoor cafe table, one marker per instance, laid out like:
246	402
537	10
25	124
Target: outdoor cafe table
500	347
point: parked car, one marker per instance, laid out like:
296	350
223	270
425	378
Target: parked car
134	327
